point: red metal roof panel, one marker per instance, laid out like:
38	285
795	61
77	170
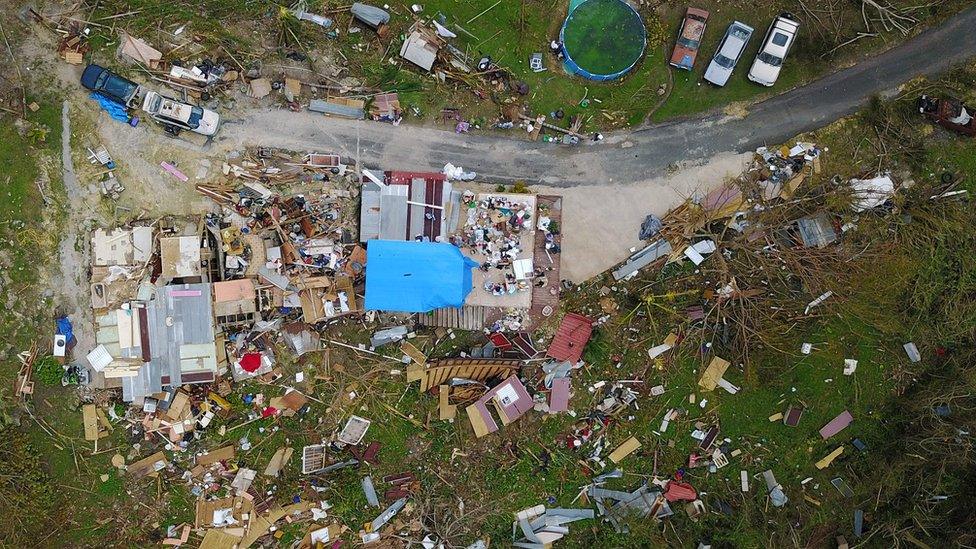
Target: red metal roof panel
571	337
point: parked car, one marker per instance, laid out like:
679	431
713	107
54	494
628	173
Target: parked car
108	84
689	39
779	39
176	116
728	53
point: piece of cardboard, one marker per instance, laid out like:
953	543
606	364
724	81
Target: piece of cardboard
180	401
628	447
217	538
213	456
278	461
714	372
147	466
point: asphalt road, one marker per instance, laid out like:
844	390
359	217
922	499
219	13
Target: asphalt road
624	157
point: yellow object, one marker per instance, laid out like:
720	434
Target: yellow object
628	447
826	461
716	369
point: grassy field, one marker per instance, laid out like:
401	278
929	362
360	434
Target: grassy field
30	154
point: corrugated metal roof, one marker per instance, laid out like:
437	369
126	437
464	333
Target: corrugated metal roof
336	109
369	213
571	337
180	325
393	213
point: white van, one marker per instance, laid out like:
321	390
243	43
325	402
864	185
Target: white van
779	39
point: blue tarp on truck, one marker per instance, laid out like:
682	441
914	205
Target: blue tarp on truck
415	277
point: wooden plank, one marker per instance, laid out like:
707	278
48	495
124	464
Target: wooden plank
90	420
446	409
414	353
477	421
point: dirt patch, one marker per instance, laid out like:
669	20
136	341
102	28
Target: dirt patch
596	239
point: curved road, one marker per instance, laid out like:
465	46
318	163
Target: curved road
627	156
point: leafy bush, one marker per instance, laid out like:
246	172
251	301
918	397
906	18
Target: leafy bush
48	371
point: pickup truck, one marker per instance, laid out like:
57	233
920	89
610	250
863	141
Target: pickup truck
108	84
177	116
689	39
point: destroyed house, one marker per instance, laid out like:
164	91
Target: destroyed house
181	258
408	206
117	255
421	46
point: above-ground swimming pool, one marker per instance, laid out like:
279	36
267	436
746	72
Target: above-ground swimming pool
602	39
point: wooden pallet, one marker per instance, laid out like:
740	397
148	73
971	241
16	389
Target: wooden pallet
468	317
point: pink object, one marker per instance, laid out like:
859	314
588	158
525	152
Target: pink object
836	425
185	293
559	398
176	173
680	491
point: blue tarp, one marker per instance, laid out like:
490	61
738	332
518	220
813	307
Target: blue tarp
65	329
415	277
115	110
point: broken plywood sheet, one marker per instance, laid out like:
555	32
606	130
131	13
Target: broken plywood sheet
260	525
479	422
829	458
559	397
447	410
90	420
713	373
140	50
